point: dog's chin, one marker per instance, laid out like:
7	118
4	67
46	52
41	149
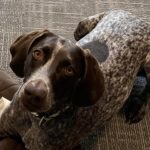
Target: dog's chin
35	107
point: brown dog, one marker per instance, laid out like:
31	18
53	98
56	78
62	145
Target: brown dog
60	77
57	63
57	75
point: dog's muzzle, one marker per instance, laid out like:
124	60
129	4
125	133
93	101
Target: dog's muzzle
35	95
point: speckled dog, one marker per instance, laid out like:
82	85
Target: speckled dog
67	77
136	105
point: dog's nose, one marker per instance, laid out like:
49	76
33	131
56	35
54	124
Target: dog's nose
36	91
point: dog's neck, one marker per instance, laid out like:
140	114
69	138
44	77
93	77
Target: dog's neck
57	121
55	124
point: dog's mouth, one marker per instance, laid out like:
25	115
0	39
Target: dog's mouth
33	105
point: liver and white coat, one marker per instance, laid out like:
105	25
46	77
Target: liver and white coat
126	41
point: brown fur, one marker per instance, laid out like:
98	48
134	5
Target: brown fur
63	123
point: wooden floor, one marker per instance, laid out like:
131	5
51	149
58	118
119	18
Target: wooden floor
61	17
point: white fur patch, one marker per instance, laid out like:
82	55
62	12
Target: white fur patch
4	103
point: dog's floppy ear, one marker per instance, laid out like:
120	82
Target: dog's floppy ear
91	86
20	48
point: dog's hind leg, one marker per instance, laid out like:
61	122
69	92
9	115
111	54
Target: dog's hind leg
87	25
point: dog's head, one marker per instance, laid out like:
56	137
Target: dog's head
55	71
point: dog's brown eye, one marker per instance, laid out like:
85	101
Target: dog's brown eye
38	55
68	71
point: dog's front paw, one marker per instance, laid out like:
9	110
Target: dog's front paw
134	110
